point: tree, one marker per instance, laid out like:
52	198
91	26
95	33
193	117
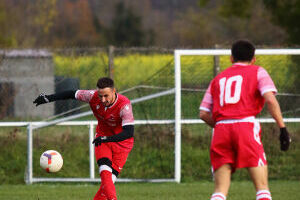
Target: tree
26	24
127	28
286	14
283	13
6	38
75	25
222	22
44	15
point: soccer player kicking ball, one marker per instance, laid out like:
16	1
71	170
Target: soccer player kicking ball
114	132
230	104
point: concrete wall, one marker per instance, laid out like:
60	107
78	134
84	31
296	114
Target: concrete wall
31	72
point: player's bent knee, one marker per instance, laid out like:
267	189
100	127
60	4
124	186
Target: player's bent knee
107	168
104	161
104	164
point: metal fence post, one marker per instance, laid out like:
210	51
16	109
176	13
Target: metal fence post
91	148
29	154
177	117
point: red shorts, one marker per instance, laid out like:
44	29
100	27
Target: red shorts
113	152
237	144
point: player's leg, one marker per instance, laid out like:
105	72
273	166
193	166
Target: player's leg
222	178
251	155
104	159
119	158
100	194
222	158
111	159
107	183
259	176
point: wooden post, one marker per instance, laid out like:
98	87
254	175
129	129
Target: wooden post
111	61
216	63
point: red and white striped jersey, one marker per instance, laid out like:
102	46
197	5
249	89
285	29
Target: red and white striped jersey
112	118
237	92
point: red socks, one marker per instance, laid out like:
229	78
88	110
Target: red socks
107	186
100	194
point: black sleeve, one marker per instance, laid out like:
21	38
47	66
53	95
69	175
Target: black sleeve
127	132
68	94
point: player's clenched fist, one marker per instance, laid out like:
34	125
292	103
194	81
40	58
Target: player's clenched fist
41	99
97	141
285	139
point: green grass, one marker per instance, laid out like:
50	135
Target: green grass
281	190
151	157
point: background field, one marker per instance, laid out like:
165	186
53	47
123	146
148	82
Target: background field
139	37
153	153
281	190
151	157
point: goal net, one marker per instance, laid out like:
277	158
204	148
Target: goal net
194	69
146	77
166	88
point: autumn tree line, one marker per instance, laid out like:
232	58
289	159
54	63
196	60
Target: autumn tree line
143	23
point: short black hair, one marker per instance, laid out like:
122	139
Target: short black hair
105	82
242	50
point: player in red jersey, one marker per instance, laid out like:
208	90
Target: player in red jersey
230	104
114	132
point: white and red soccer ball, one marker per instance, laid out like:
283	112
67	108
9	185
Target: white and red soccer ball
51	161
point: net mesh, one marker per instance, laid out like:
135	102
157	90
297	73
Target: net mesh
197	72
137	74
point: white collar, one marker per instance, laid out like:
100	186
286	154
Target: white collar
240	64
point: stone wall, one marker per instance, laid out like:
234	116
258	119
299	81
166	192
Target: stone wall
24	74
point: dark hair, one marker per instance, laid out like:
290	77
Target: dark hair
242	50
105	82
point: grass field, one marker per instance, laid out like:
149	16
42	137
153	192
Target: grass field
242	190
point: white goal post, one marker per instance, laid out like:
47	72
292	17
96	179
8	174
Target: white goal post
31	126
178	90
177	121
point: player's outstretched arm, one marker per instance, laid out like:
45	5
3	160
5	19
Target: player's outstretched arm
43	98
274	110
127	132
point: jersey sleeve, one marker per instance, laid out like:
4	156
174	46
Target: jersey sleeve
84	95
207	101
126	115
265	83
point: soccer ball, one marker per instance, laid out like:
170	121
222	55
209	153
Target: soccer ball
51	161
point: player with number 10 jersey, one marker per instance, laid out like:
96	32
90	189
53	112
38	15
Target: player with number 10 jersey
230	105
234	96
237	92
